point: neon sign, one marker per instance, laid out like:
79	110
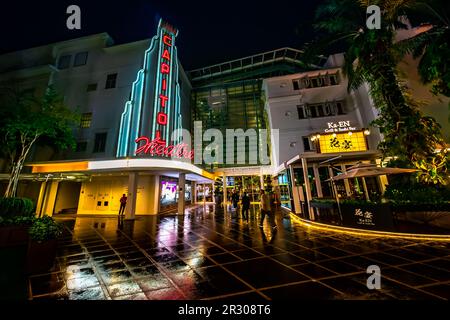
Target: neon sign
157	147
154	109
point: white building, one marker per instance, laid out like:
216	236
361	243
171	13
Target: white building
322	130
123	92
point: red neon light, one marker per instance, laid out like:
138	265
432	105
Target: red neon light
164	84
167	40
165	68
157	147
161	118
163	100
166	54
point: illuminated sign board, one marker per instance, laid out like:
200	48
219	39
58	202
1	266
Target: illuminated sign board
340	126
154	109
342	142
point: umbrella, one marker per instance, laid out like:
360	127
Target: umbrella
368	170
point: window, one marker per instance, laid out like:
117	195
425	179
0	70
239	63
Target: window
321	110
111	81
91	87
333	79
313	111
64	62
80	59
308	145
100	142
81	146
86	119
340	108
321	80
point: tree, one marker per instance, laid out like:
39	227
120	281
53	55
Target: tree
372	56
26	120
432	46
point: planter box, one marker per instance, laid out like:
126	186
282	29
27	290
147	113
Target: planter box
323	205
440	219
41	256
13	236
373	217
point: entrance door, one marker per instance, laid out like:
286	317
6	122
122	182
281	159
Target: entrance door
89	196
103	196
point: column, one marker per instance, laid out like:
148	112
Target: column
224	190
194	192
47	203
204	194
156	194
317	180
366	192
41	198
307	188
181	186
261	181
130	209
213	193
294	190
346	184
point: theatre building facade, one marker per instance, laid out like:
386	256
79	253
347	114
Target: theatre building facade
132	99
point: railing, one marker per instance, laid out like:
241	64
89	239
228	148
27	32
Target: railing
269	57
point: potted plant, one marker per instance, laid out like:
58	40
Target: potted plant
42	245
16	215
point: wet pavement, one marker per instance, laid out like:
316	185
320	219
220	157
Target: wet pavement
209	254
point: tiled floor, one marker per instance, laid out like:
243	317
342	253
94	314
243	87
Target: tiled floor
210	255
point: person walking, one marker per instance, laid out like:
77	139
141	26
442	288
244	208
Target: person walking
235	199
245	206
266	210
123	204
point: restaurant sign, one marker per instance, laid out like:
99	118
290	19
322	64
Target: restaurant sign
374	217
342	142
340	126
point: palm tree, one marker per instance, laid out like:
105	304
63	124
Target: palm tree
372	56
432	45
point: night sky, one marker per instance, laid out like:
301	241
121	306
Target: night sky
210	31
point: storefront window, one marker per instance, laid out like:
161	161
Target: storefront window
169	194
283	182
327	191
188	193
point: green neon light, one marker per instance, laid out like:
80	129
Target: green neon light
126	124
129	129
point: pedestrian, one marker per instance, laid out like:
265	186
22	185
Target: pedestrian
245	206
266	210
235	199
123	203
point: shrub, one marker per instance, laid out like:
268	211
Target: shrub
14	207
404	206
44	229
417	193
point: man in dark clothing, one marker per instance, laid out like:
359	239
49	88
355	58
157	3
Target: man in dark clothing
235	199
245	205
123	203
266	210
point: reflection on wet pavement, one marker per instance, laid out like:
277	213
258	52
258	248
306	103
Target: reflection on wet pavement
212	254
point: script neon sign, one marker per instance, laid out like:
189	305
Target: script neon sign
158	147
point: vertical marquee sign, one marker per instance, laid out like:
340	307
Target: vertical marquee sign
153	111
